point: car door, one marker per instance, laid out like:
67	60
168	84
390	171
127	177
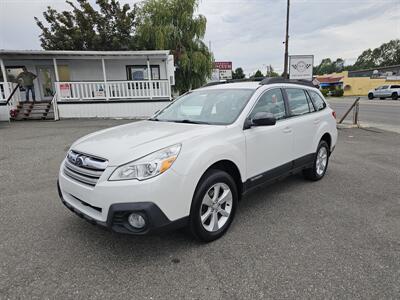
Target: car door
269	148
303	123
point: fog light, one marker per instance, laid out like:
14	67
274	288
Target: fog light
136	221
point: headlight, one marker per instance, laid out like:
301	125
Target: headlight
148	166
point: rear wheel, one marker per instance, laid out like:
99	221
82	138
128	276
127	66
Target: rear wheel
370	96
395	96
318	170
214	205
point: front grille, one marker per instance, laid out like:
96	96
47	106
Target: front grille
84	168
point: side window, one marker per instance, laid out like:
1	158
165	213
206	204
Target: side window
319	103
310	103
272	102
298	103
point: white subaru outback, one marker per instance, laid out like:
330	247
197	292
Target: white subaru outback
191	162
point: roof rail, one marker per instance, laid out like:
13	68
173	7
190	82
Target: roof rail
272	80
234	80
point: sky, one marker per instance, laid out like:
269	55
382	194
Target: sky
250	33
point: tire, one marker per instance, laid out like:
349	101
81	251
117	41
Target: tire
205	206
395	96
318	170
370	96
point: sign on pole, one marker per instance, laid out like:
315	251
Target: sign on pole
224	68
301	67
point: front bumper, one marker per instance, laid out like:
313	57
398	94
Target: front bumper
156	220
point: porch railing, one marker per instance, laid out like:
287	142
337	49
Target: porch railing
112	90
7	89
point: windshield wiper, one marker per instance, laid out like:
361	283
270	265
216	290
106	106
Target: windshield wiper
190	121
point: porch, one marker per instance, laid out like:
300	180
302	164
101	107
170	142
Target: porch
131	83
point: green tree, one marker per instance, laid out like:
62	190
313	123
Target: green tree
111	27
238	74
172	24
385	55
257	74
271	72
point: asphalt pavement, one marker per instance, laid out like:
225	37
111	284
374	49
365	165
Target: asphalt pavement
383	114
336	238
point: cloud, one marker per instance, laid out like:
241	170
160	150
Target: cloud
250	33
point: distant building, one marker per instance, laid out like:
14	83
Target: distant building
358	83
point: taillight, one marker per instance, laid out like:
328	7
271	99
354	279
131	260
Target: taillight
334	114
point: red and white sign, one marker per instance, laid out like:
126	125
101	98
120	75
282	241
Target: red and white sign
223	65
65	90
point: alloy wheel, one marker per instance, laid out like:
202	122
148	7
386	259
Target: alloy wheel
216	207
322	160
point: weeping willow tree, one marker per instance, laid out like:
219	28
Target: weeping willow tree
172	24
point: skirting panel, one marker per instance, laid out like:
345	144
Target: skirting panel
4	113
111	110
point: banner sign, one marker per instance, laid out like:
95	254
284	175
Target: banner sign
65	90
301	67
223	65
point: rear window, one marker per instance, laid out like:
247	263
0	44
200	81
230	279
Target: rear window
319	103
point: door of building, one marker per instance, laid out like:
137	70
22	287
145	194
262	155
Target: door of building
46	79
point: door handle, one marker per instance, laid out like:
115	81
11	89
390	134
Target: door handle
287	130
316	121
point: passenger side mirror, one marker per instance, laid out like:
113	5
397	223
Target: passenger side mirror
263	119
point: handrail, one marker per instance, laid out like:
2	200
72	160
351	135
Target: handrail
12	94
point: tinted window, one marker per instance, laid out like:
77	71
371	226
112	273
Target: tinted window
319	103
298	103
310	103
395	86
272	102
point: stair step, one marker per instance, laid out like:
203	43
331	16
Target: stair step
34	111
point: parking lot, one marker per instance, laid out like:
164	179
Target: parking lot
336	238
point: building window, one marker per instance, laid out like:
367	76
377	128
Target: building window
139	72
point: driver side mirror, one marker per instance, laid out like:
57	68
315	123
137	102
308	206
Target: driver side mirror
261	119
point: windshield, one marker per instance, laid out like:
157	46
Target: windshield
219	106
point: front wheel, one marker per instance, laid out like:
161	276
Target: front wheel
318	170
370	96
214	205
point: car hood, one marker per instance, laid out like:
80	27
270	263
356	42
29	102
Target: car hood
125	143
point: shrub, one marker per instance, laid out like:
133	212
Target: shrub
325	92
337	93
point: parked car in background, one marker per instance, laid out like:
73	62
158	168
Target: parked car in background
190	163
385	91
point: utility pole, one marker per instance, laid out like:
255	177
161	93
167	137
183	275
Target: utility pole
285	68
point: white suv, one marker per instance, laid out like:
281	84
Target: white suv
385	91
191	162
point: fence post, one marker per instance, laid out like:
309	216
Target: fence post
348	111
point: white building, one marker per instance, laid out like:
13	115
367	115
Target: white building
76	84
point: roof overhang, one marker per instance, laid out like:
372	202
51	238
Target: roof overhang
68	54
